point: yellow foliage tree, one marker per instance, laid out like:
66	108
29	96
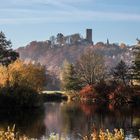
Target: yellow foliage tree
19	73
3	76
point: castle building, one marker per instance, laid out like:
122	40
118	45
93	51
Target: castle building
73	39
89	35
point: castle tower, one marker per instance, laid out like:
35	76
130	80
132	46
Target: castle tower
89	35
107	41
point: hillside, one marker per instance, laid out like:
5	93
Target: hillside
53	57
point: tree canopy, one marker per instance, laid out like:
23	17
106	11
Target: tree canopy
7	55
69	80
121	72
20	74
136	68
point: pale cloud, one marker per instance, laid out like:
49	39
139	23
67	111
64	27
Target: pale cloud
53	1
63	4
65	11
66	16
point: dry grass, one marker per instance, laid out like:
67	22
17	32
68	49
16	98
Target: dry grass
107	135
10	134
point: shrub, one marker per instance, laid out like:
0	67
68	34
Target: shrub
102	91
19	97
119	96
88	92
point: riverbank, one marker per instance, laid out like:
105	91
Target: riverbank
23	97
59	96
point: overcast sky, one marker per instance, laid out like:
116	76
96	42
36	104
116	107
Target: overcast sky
26	20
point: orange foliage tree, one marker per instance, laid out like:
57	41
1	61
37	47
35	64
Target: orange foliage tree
20	74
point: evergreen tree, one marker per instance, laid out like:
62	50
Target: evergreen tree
121	73
69	80
7	55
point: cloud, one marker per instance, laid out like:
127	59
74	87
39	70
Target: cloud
25	3
34	17
59	11
52	1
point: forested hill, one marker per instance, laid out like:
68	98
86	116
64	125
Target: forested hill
53	56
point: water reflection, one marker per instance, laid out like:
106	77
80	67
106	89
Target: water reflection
28	122
71	119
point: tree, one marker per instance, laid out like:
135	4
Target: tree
136	68
69	80
90	67
23	75
7	55
60	38
123	46
121	72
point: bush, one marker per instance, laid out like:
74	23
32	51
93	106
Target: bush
119	96
88	92
102	91
19	97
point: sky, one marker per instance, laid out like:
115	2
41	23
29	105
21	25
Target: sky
23	21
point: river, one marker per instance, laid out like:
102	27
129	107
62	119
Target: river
72	120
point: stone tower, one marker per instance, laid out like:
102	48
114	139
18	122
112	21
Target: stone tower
89	35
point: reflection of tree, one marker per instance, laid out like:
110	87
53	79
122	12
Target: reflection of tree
71	119
28	122
93	116
52	119
88	109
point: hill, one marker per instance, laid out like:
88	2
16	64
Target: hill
53	56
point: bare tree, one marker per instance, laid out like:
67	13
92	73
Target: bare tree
90	67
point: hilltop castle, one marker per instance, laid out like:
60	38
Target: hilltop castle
74	39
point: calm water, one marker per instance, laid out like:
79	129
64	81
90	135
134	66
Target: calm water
71	120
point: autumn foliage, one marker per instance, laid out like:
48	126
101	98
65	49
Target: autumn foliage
20	83
20	74
88	92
